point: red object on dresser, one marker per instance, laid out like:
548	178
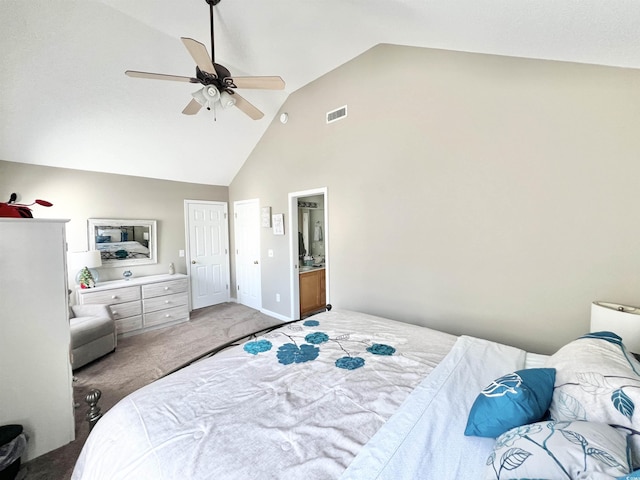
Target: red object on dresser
18	210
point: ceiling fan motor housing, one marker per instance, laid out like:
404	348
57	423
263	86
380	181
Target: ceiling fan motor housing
221	80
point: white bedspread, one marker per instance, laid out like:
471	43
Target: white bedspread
249	416
425	438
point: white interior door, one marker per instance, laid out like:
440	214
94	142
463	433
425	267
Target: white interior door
247	243
208	254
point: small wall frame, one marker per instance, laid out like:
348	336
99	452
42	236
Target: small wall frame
278	224
265	216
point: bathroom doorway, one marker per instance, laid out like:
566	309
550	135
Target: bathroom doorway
309	241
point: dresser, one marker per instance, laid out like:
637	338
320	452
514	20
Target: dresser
142	303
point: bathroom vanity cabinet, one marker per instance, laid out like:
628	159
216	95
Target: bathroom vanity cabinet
312	291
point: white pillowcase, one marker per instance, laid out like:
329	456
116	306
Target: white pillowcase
555	450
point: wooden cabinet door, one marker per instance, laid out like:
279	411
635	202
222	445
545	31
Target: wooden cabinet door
312	291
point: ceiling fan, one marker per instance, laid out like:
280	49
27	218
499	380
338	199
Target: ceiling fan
218	84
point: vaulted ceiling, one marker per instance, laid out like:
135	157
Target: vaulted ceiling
65	101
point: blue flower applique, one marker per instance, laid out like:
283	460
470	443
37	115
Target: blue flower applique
257	347
291	353
350	363
317	338
311	323
381	349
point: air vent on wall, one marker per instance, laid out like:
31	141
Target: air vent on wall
336	114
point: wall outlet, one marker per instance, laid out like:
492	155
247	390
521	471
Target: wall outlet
277	297
181	253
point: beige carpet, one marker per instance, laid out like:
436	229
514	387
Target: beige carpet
139	360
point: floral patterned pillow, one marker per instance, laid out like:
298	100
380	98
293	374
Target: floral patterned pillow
558	450
597	380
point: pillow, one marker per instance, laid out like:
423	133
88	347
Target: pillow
559	450
103	239
512	400
597	380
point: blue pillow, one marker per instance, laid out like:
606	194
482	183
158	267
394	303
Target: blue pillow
516	399
634	474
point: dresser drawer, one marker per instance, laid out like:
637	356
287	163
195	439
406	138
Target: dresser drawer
113	296
162	303
129	324
124	310
164	288
166	316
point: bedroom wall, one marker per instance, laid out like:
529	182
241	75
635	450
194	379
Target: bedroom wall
80	195
475	194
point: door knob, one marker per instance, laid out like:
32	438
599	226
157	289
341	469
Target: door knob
255	262
193	261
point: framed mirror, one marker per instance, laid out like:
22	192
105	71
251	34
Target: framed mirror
122	243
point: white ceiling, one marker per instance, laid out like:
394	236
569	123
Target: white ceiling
65	101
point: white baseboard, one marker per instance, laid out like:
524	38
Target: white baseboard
275	315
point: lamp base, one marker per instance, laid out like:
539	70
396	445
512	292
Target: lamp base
622	320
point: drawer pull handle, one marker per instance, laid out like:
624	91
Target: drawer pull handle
114	312
166	288
114	297
167	301
167	315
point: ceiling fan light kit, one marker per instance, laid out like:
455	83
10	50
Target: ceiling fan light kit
218	84
226	99
206	96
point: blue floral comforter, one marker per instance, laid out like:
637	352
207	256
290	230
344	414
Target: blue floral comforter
298	402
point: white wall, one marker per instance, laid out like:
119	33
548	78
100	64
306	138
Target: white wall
80	195
476	194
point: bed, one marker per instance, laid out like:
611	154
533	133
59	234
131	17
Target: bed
129	249
345	395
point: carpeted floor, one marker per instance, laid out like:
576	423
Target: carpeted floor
139	360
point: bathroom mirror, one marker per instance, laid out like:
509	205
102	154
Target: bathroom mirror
311	226
123	243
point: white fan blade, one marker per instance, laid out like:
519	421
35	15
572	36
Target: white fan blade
200	55
159	76
192	108
266	83
247	108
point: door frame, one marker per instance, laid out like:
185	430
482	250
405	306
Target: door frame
294	285
187	236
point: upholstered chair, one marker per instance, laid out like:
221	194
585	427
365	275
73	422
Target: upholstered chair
93	333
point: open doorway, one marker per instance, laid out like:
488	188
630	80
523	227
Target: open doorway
309	251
